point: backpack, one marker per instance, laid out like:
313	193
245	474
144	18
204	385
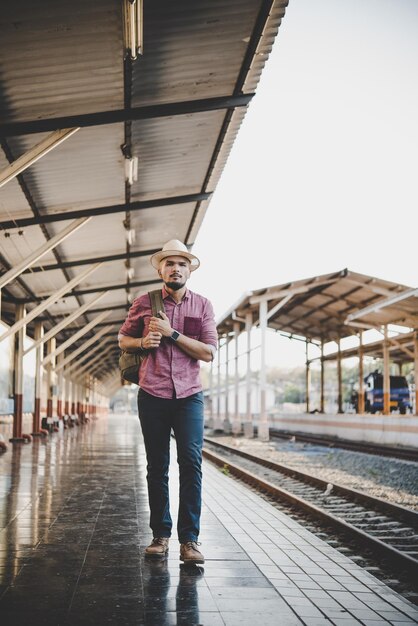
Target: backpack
130	362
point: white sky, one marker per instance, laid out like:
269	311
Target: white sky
323	174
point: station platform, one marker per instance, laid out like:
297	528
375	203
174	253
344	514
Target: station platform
74	522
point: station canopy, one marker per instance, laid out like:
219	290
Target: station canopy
329	307
135	146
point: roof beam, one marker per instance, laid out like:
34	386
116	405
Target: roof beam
29	198
382	304
93	364
86	344
73	338
35	153
401	342
279	293
139	205
13	129
18	269
396	343
97	259
46	303
69	331
67	320
279	305
91	311
83	292
95	353
370	286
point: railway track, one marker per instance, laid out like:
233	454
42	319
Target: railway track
389	531
407	454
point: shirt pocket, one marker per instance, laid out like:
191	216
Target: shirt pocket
192	327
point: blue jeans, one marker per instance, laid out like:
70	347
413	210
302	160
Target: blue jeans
185	416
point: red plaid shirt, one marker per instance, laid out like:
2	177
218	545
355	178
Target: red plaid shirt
167	371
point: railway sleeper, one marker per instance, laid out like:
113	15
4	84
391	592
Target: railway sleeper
376	529
353	510
402	532
366	515
340	503
389	526
357	518
400	545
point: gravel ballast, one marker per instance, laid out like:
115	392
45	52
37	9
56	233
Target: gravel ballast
393	480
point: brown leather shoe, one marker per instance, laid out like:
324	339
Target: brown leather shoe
189	552
157	548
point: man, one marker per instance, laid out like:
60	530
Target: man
170	394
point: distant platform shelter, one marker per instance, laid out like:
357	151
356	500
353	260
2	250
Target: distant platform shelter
320	310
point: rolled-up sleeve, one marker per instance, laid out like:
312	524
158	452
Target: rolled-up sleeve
209	334
132	325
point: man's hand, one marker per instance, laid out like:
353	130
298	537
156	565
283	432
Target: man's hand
161	326
152	340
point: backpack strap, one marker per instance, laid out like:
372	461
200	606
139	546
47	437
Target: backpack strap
157	302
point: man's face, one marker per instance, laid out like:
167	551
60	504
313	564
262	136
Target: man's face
174	271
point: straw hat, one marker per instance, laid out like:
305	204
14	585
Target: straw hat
174	247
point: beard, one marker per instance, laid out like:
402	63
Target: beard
175	286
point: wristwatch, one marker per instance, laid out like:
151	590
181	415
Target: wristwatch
174	335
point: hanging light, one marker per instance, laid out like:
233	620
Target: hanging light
132	27
131	236
131	170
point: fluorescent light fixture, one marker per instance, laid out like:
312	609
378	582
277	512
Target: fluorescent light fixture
130	273
131	236
132	27
34	154
131	170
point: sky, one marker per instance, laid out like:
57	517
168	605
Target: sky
323	173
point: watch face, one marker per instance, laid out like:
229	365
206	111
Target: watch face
175	335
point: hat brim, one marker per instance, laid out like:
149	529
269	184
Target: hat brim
159	256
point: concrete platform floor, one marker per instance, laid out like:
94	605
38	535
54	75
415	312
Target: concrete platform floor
74	522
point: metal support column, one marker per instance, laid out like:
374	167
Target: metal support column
60	390
67	395
36	424
307	377
73	398
263	425
322	382
79	392
218	421
67	401
51	402
339	376
248	424
210	420
227	422
360	400
236	424
386	373
18	377
50	348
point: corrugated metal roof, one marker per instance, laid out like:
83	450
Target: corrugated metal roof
86	170
60	58
193	48
318	307
174	153
66	58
